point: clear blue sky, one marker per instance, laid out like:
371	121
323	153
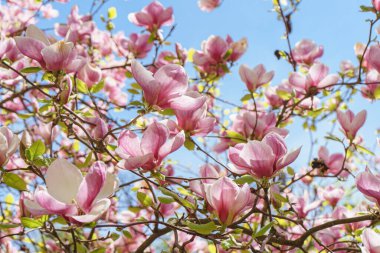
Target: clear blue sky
336	24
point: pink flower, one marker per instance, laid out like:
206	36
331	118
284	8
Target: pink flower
52	57
237	48
208	5
317	78
306	51
372	57
376	4
166	88
9	143
100	130
65	184
152	16
331	194
262	158
195	121
256	77
227	199
8	49
370	239
350	122
369	184
90	74
137	44
302	206
147	153
334	162
209	174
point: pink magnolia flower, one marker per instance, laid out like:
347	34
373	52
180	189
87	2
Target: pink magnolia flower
302	206
137	44
209	174
166	88
195	121
90	74
370	239
372	57
238	48
331	194
262	158
256	77
317	78
9	49
350	122
100	130
66	184
208	5
334	162
60	55
373	83
227	199
152	16
369	184
306	51
376	4
9	143
149	152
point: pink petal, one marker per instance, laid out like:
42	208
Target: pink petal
95	213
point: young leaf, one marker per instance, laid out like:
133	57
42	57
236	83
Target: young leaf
14	181
204	229
31	223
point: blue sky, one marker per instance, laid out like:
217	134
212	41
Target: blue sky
337	25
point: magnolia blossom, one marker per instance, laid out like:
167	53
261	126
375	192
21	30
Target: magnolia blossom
90	74
9	143
149	152
317	78
152	16
350	122
195	121
68	193
302	206
331	194
306	51
369	184
334	162
262	158
227	199
370	239
376	4
209	173
166	88
60	55
137	44
256	77
208	5
216	52
372	57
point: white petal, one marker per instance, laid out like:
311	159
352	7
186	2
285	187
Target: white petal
63	180
96	211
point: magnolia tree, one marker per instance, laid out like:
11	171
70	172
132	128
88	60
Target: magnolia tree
92	121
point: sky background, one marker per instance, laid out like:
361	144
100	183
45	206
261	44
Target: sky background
335	24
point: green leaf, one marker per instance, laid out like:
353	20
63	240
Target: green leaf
182	201
166	200
290	171
8	225
127	234
283	94
246	179
14	181
81	86
31	223
362	149
100	250
333	138
112	13
144	199
246	97
235	137
38	148
114	236
364	8
279	197
263	230
97	87
189	144
133	91
25	116
204	229
30	70
87	161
